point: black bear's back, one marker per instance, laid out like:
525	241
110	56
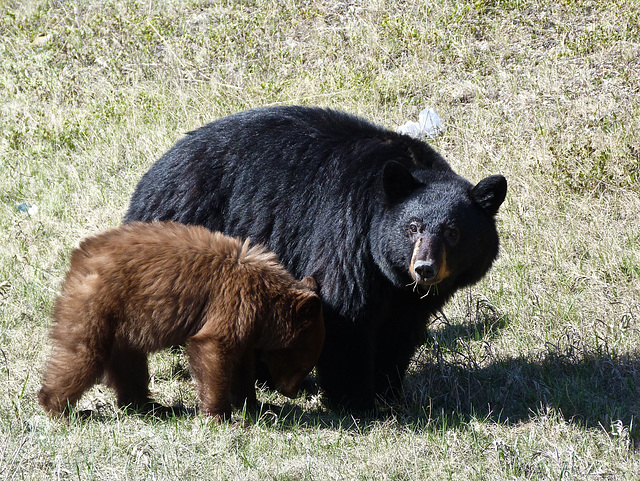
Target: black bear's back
279	145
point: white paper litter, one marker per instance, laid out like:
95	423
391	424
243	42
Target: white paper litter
428	125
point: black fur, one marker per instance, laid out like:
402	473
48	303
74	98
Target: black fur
333	195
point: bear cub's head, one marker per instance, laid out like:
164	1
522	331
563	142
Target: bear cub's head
438	230
300	348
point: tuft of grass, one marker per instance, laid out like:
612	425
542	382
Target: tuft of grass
533	373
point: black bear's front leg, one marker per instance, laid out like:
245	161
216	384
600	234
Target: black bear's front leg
345	368
243	390
397	339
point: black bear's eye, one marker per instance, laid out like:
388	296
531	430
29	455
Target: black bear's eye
452	234
414	227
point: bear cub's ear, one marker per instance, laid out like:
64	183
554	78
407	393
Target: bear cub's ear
310	283
490	193
397	181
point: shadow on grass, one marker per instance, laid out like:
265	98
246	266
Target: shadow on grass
457	376
595	389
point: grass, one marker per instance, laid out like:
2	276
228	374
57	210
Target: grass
533	373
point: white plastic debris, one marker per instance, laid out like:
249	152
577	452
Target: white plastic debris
28	208
428	125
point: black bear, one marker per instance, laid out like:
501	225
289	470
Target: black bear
379	219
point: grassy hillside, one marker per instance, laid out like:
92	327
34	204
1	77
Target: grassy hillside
534	373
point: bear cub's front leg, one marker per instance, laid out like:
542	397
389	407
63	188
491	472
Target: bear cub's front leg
213	373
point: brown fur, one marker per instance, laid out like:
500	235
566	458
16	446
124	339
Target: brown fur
423	249
145	287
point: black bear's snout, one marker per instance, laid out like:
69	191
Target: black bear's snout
426	270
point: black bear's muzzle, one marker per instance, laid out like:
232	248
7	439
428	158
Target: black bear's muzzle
426	271
429	261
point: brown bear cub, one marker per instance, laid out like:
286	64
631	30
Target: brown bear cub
147	286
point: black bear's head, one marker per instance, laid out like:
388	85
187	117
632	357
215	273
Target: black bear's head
437	229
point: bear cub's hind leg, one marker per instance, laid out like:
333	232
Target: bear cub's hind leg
70	372
128	374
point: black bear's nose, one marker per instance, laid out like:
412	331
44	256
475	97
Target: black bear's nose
426	270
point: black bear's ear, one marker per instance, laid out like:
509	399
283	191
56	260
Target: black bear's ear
490	192
397	181
308	307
